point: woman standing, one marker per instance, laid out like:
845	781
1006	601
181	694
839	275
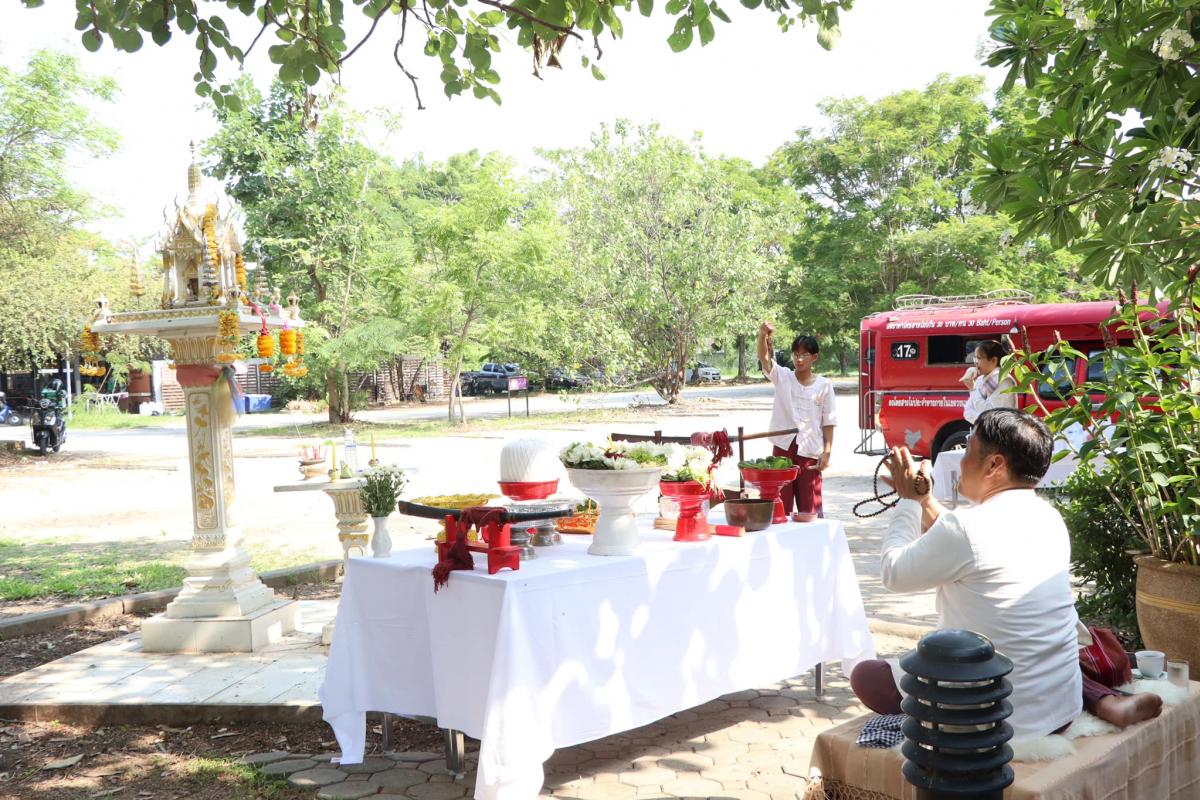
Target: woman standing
804	401
988	390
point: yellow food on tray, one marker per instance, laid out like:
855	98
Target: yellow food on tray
455	501
580	523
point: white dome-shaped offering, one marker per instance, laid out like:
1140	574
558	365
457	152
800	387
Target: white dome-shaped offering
528	460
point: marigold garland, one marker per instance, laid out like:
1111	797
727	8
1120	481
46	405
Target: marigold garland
229	331
300	343
266	345
239	265
89	346
287	342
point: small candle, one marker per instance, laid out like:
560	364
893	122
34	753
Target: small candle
373	447
333	450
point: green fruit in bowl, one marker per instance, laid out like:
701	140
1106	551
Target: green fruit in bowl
770	462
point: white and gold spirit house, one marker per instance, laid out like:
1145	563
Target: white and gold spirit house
223	606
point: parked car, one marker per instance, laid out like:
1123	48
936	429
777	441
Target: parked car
704	373
560	378
493	376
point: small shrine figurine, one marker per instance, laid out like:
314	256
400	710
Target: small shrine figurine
275	308
101	312
293	306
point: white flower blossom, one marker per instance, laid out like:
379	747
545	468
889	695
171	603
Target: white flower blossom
1045	108
1078	14
1176	159
1172	43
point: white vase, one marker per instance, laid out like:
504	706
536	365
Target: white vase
528	460
615	491
381	543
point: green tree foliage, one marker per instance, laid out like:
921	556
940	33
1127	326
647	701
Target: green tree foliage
886	212
316	220
1107	160
307	39
51	270
488	273
668	252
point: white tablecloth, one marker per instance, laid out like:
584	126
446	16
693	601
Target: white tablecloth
574	647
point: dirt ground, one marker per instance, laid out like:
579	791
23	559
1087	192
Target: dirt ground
155	762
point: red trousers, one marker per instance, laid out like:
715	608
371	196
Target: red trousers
805	492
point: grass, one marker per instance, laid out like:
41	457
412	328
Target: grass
242	780
319	431
93	419
79	570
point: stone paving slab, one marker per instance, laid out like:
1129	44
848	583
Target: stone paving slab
751	745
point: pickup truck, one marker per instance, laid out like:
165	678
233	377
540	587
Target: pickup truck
492	378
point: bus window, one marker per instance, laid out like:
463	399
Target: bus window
947	350
1058	379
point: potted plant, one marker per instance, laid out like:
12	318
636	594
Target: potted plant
1143	414
615	475
381	487
687	481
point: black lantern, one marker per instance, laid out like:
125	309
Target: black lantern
956	739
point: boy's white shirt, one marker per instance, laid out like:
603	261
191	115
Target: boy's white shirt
1000	569
808	408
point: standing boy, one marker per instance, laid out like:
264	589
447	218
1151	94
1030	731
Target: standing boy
805	401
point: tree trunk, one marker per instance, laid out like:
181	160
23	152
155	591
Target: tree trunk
842	362
741	346
456	395
345	393
333	396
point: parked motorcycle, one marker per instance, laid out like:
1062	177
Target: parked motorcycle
7	415
49	418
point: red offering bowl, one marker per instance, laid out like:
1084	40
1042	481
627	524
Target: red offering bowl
769	482
528	490
690	495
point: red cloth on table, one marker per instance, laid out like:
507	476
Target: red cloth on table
805	491
458	556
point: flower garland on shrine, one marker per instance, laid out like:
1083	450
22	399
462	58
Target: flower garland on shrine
213	256
89	345
229	333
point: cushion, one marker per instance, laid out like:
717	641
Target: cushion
1157	759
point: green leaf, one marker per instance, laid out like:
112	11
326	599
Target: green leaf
752	3
646	7
681	39
596	73
311	74
91	41
829	36
233	102
675	6
707	32
491	18
719	13
161	36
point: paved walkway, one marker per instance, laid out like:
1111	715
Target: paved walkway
752	745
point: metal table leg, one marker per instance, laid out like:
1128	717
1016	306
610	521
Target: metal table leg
387	732
819	680
456	751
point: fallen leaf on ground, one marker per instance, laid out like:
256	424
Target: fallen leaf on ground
63	763
108	792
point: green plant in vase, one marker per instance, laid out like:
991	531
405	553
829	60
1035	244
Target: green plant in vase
381	488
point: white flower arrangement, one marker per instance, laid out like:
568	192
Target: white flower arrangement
1078	14
688	463
613	455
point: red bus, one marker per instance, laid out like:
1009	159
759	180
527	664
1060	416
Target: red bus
911	360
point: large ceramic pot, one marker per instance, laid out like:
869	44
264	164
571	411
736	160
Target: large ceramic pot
615	491
1168	607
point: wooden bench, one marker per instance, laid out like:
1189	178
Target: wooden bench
1156	760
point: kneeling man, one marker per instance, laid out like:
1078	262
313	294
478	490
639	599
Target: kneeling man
1001	568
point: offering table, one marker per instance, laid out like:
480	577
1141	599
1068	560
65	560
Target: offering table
572	647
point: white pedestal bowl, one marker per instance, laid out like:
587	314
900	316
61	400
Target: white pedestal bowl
615	491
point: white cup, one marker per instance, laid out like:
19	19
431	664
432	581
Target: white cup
1150	663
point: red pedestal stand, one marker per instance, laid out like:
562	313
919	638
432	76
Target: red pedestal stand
528	490
500	553
769	482
690	495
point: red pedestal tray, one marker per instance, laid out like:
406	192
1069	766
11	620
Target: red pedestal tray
769	482
528	490
495	543
691	525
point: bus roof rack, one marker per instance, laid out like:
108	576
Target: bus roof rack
995	297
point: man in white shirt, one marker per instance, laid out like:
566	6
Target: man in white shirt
804	401
1001	568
